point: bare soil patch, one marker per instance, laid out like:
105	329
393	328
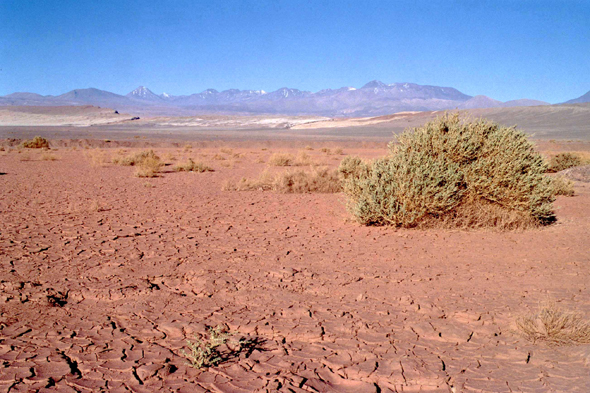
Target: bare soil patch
105	276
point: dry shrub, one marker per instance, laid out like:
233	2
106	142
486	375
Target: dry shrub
326	150
192	166
226	150
188	147
49	157
219	157
147	163
339	152
97	157
149	167
562	161
563	186
452	173
308	147
281	159
554	326
317	180
136	159
36	143
168	157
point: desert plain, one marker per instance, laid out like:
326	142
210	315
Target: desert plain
105	276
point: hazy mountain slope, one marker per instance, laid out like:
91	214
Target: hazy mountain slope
579	100
373	99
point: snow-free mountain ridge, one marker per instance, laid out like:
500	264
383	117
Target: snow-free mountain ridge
373	99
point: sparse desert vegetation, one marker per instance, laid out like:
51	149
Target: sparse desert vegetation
192	166
555	326
562	161
152	262
36	143
146	163
315	180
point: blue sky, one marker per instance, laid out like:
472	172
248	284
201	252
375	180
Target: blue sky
503	49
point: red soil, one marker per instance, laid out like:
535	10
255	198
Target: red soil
104	278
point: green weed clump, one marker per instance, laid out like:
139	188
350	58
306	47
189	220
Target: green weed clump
36	143
452	173
563	161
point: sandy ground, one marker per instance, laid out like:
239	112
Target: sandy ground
105	276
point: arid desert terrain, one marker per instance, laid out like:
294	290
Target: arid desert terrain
105	275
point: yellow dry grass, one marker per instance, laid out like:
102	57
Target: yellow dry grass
554	326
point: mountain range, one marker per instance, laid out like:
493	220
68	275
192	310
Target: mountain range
373	99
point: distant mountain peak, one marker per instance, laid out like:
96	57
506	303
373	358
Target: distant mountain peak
374	84
143	93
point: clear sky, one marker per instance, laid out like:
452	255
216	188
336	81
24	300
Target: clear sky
503	49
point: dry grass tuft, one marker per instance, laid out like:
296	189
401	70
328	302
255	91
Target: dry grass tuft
147	163
226	150
149	167
317	180
192	166
562	186
36	143
554	326
49	157
281	159
97	157
562	161
136	159
326	150
308	147
219	157
339	152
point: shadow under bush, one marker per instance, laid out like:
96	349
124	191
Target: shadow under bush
452	173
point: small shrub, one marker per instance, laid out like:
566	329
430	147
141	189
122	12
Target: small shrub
147	163
226	150
554	326
36	143
137	158
308	147
219	157
148	167
339	152
205	353
444	171
318	180
563	186
192	166
326	150
303	159
97	157
281	159
563	161
49	157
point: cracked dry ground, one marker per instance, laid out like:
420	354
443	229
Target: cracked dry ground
103	299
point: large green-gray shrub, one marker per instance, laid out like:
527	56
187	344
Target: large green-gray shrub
459	173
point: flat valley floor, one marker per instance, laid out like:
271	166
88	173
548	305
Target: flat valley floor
105	276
